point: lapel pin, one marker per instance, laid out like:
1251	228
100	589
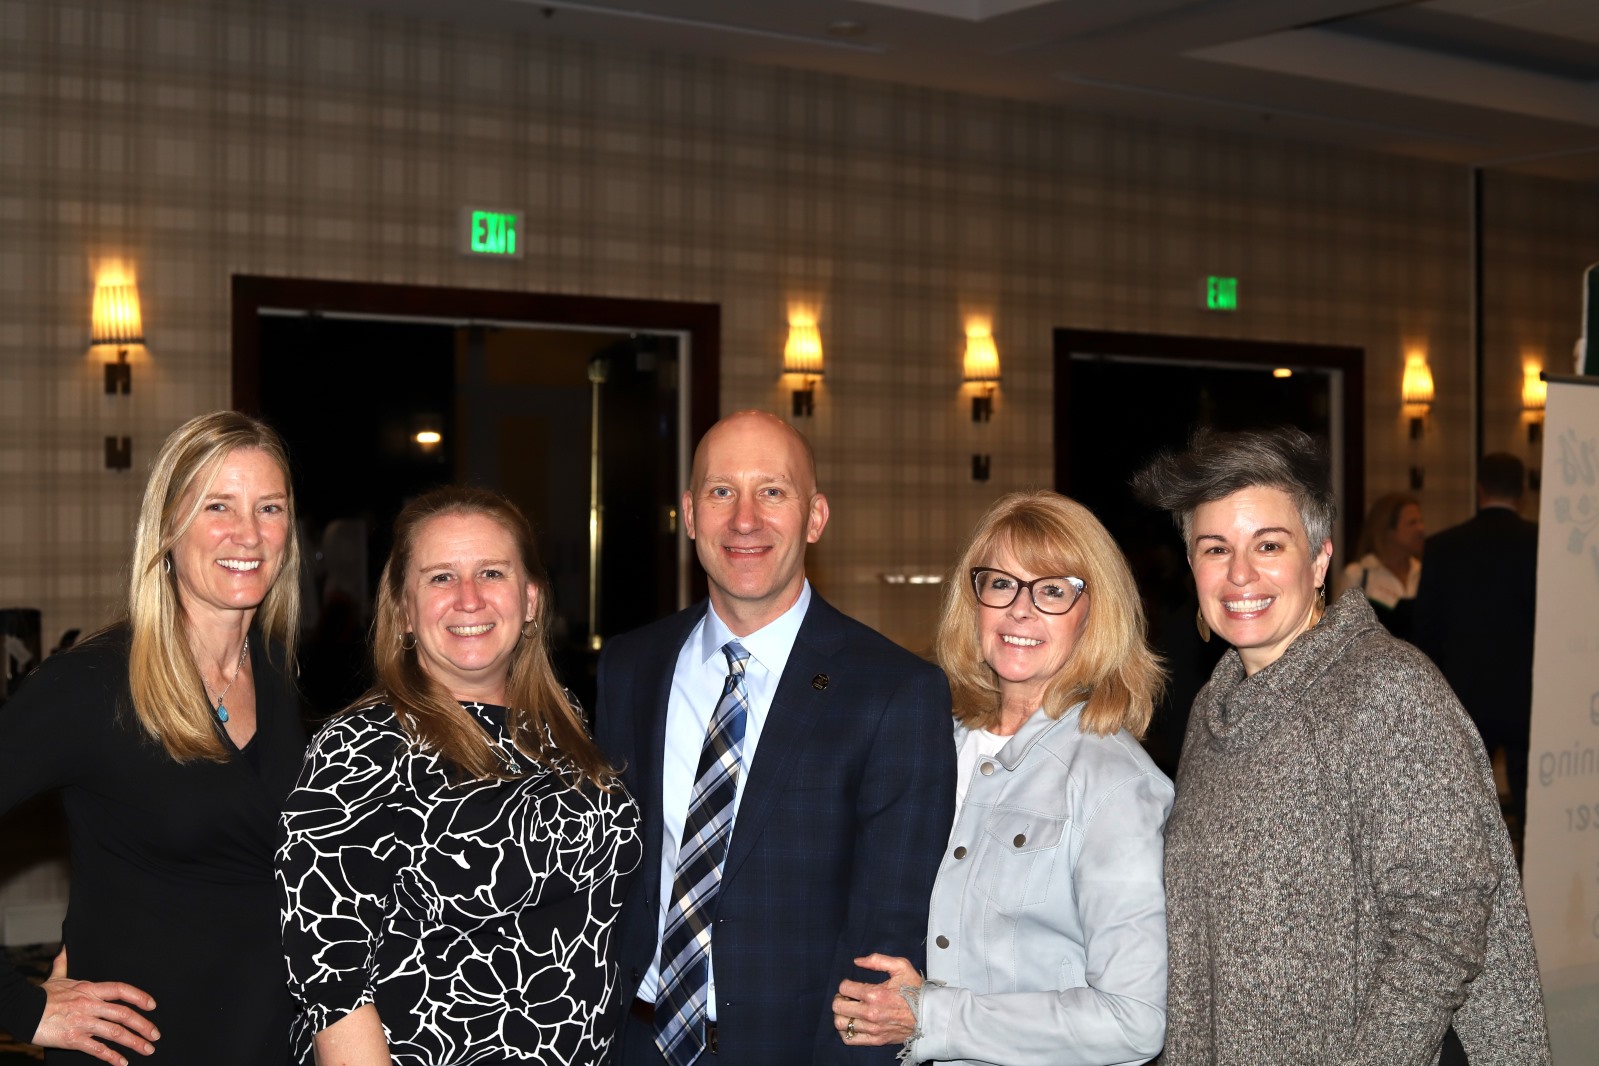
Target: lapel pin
819	682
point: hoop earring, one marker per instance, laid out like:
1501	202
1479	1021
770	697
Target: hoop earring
1321	594
530	622
1202	625
407	646
166	564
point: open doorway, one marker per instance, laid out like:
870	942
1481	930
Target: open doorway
582	411
1122	397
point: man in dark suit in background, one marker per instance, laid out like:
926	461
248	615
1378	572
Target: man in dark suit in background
795	770
1475	612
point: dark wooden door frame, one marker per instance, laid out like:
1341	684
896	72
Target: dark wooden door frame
1352	361
702	323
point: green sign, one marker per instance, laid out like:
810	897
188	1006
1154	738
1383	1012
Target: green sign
493	233
1221	294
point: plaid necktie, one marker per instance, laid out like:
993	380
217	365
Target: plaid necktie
686	943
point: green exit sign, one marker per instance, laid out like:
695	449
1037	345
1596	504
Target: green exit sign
1221	294
497	234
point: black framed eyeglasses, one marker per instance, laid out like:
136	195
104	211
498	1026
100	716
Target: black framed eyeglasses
1051	595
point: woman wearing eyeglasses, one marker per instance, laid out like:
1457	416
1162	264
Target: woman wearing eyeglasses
1046	941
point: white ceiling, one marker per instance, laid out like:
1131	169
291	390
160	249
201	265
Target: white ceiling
1502	84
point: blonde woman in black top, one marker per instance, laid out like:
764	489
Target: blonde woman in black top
173	738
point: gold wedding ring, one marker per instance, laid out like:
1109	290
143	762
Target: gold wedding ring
849	1030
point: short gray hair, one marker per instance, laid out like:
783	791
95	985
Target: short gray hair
1216	465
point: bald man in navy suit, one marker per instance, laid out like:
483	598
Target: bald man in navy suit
845	789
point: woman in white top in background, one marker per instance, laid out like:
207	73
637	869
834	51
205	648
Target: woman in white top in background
1046	941
1388	569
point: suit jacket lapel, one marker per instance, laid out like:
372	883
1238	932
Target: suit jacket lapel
793	715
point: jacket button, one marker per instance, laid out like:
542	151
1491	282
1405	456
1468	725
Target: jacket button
987	768
942	941
1021	838
960	853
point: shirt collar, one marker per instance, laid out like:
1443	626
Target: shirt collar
769	645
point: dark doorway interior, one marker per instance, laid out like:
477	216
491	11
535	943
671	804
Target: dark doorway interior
349	397
1121	398
583	426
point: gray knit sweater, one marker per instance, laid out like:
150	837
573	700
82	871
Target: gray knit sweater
1339	882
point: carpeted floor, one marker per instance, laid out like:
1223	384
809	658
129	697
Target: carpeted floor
33	959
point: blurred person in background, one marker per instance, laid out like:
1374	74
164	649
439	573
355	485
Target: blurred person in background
1475	612
1388	569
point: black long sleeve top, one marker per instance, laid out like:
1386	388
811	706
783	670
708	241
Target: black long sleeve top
172	888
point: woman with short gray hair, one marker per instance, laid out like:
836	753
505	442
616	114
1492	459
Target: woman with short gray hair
1340	887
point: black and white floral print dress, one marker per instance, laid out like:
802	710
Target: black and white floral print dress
477	917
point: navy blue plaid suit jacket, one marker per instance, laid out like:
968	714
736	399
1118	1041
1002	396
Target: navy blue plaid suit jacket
845	815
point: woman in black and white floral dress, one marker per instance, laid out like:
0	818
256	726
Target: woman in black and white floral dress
457	849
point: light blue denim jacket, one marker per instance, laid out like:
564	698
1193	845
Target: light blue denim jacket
1046	941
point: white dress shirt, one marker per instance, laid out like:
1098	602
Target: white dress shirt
697	683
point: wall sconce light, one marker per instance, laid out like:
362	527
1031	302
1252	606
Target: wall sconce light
980	367
802	355
1416	391
116	321
1534	394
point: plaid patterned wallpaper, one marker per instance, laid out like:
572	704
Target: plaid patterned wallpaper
189	140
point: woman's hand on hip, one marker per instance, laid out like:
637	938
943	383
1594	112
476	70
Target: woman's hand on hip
82	1015
868	1014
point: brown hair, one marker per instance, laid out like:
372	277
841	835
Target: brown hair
169	699
1112	667
1502	476
1382	520
541	719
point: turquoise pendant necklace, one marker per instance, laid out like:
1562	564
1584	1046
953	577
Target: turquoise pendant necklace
222	711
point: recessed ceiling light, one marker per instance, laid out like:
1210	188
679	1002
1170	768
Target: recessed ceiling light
846	28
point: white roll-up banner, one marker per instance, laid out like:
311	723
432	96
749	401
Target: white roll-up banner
1561	858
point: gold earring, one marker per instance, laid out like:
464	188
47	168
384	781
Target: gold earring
407	646
530	622
1202	625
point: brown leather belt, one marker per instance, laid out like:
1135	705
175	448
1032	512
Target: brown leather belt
644	1011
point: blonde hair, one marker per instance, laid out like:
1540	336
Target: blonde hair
169	697
541	720
1112	666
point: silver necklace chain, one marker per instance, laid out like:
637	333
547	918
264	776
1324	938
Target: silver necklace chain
221	711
